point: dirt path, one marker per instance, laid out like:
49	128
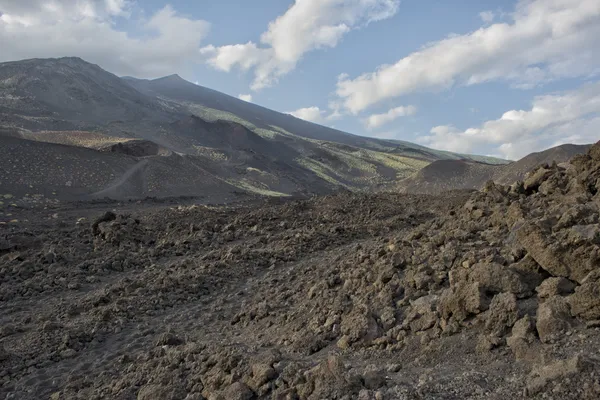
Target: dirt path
123	186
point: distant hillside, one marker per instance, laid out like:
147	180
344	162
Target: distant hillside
510	173
444	175
212	104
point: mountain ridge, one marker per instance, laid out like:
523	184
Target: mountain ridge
247	147
444	175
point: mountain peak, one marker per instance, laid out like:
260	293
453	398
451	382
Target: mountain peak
171	78
73	59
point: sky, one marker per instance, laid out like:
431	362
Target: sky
493	77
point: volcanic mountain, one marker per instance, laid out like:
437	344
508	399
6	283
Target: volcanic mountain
169	137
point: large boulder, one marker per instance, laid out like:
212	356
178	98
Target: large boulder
462	300
555	286
567	259
540	249
594	152
238	391
523	340
553	319
360	326
535	178
494	278
422	313
585	302
503	314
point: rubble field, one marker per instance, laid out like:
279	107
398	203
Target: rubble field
467	295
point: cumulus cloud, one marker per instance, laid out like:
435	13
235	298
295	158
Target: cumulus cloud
245	97
569	117
487	16
376	120
317	115
166	43
545	40
34	12
312	114
306	26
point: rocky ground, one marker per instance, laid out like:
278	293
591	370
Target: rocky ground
484	295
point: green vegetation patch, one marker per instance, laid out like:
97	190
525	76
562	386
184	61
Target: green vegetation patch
250	186
322	170
211	153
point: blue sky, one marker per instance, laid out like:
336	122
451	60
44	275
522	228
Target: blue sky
497	77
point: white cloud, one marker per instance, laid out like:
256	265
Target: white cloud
487	16
34	12
570	117
312	114
245	56
245	97
336	113
318	116
376	120
546	40
306	26
167	42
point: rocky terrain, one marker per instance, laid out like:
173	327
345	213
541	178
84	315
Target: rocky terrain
492	294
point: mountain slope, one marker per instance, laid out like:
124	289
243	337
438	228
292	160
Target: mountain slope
178	126
214	104
72	92
175	88
446	175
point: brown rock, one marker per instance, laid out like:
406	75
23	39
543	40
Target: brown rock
503	314
594	152
585	302
553	319
486	343
522	340
462	300
360	325
530	271
238	391
493	277
328	379
534	241
169	339
514	214
422	313
555	287
262	373
556	371
344	342
398	260
535	179
153	392
373	379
